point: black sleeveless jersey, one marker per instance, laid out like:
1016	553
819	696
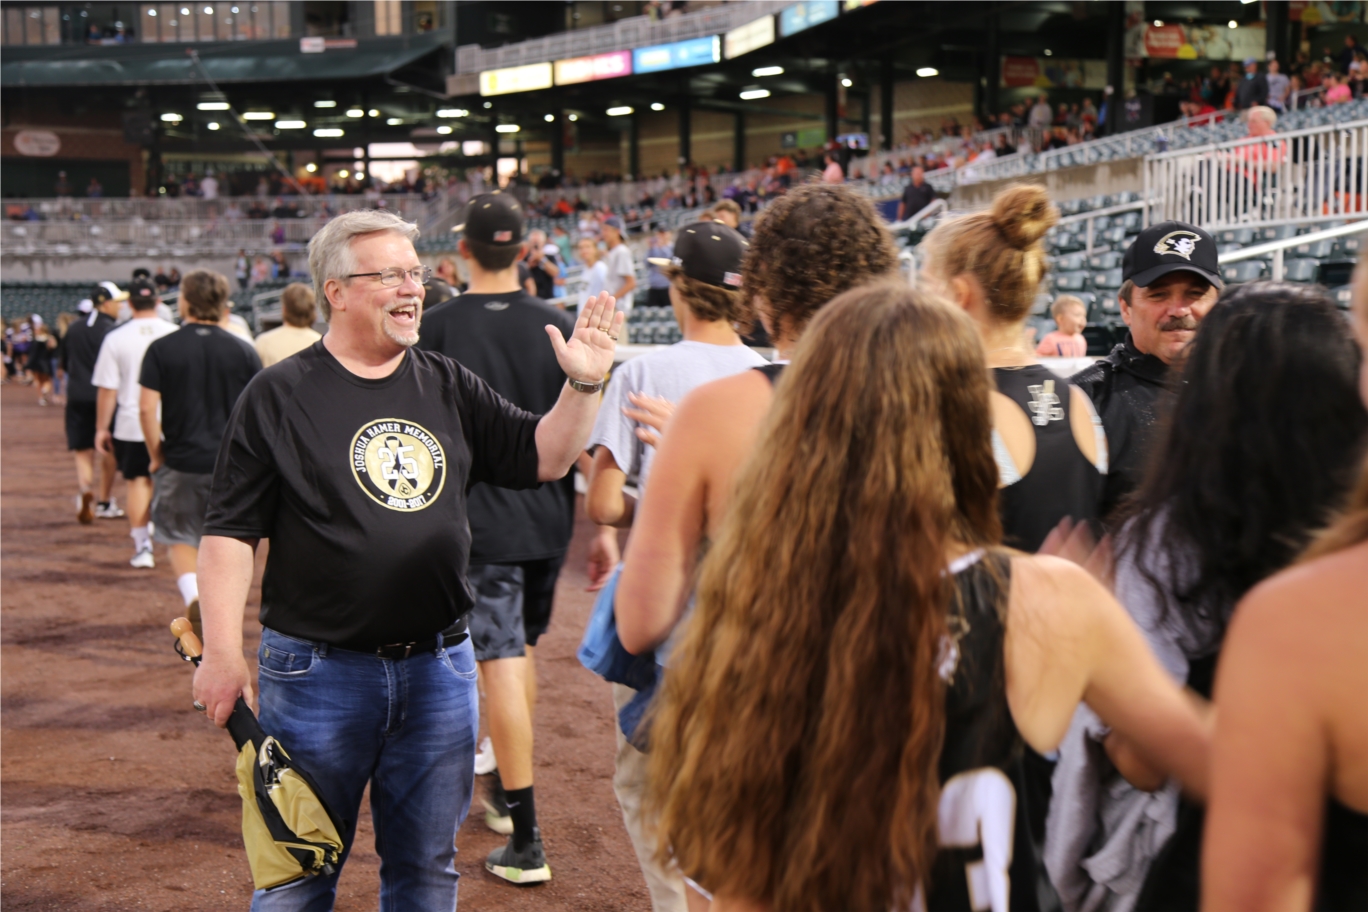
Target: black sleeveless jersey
772	371
992	811
1061	481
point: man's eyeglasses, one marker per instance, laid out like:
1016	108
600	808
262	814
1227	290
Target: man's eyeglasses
395	276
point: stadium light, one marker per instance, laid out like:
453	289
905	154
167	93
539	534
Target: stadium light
926	72
344	173
752	94
488	105
767	71
373	112
574	117
1232	24
444	129
847	83
151	12
311	167
452	112
325	104
393	121
326	132
213	105
208	11
1158	23
259	115
1049	53
172	118
290	124
507	128
550	118
620	110
355	112
213	125
657	106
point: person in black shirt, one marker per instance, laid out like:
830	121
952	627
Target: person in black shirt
76	356
542	267
190	382
916	195
518	539
1171	280
354	457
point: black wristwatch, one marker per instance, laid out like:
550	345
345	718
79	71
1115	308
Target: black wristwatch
580	386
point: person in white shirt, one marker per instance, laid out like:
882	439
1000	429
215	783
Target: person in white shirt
621	268
116	373
1041	116
296	333
209	186
595	271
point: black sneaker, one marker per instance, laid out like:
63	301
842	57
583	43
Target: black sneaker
497	816
520	867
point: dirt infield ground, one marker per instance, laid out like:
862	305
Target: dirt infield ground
118	795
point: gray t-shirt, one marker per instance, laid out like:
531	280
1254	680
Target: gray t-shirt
669	373
620	265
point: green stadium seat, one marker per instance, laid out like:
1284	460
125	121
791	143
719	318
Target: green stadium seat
1102	261
1243	271
1109	280
1301	270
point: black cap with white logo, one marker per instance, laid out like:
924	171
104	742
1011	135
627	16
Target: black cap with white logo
710	252
494	218
141	290
1171	247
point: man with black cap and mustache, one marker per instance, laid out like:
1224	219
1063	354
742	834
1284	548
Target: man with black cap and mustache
1171	279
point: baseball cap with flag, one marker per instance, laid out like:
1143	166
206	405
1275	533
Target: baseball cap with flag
710	252
1171	247
494	218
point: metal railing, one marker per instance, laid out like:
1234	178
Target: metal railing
1299	99
1305	174
412	206
634	32
1278	247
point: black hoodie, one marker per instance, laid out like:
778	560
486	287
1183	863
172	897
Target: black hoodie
1125	388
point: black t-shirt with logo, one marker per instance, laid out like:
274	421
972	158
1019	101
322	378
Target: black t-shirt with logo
80	347
200	370
361	487
502	339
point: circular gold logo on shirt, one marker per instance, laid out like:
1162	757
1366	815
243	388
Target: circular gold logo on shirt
401	465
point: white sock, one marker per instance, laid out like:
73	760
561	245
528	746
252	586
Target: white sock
141	540
188	584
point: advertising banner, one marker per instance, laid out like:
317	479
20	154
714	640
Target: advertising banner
749	37
1195	42
516	79
599	66
805	15
694	52
1053	73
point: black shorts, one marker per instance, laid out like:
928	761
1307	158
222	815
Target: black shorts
512	606
131	455
80	425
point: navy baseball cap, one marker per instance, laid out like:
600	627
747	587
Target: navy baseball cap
1171	247
613	221
710	252
494	218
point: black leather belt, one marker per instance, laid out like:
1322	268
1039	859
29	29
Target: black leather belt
449	637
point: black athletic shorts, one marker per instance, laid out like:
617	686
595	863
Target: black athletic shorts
512	606
131	455
80	425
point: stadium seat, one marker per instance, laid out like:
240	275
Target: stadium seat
1071	262
1110	280
1114	235
1242	236
1072	281
1128	220
1243	271
1301	270
1348	246
1103	261
1316	249
1277	233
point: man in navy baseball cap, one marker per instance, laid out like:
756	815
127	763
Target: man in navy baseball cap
1170	280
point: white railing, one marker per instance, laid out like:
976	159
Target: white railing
1279	247
637	31
1305	174
1304	97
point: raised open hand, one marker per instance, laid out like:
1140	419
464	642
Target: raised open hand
588	356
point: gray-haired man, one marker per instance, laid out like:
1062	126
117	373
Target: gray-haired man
353	458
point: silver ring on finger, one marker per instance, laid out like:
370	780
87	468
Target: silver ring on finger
200	707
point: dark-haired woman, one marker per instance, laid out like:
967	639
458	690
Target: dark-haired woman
1258	451
1288	819
842	725
1049	443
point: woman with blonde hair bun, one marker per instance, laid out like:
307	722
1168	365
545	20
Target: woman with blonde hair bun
843	723
1048	441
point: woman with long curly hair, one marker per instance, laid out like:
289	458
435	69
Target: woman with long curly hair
842	725
812	244
1287	825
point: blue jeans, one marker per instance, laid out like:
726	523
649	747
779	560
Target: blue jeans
407	727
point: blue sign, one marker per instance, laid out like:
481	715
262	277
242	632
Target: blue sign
805	15
695	52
